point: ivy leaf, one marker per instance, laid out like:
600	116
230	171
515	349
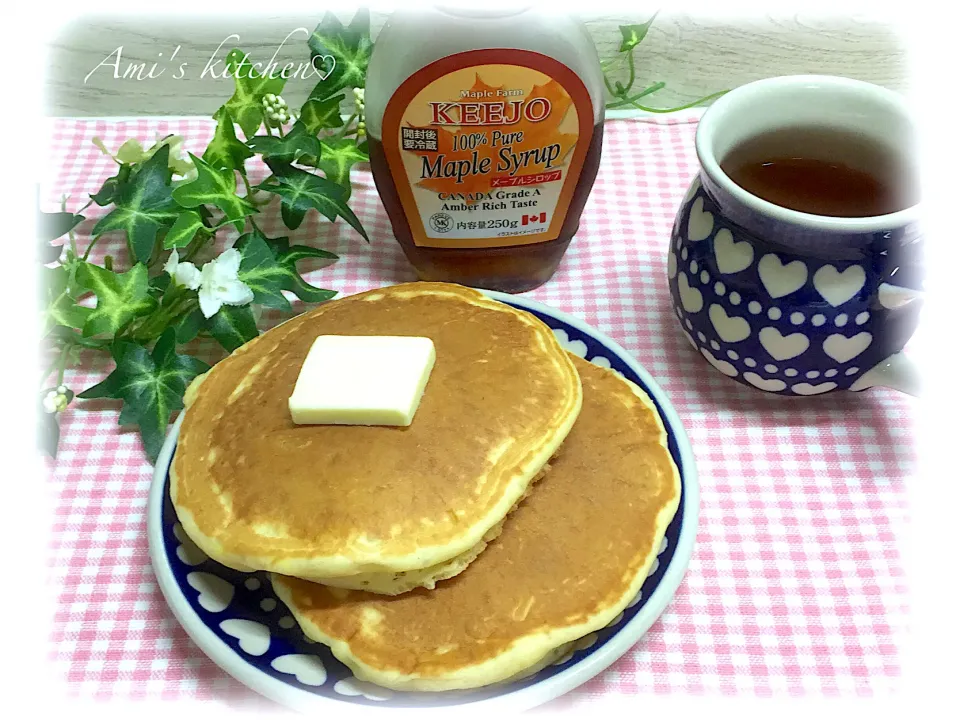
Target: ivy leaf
54	225
151	385
120	297
233	326
261	272
110	190
144	206
246	105
287	258
61	307
320	112
215	187
183	230
290	148
225	152
337	156
189	326
633	35
300	191
349	46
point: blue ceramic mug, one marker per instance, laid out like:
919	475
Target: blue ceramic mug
785	301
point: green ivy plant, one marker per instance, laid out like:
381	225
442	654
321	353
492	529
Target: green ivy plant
170	210
622	94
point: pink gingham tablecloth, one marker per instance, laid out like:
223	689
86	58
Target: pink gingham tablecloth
796	584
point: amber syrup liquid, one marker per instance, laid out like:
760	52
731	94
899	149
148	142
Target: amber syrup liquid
511	269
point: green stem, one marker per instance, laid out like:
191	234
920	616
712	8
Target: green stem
90	247
342	132
246	184
632	100
633	73
62	364
675	109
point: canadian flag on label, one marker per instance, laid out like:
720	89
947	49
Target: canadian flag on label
532	219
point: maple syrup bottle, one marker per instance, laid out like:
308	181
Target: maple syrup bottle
485	129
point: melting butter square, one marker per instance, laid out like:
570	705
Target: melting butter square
362	380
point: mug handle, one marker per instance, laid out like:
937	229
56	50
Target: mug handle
897	372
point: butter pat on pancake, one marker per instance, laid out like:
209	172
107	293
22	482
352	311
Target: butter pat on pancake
256	491
568	560
362	380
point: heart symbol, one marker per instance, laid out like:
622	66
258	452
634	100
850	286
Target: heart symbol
730	328
690	297
838	287
699	223
732	256
808	389
324	61
771	385
254	638
577	347
187	551
671	264
783	348
842	348
780	279
215	592
351	687
691	191
892	297
721	365
307	669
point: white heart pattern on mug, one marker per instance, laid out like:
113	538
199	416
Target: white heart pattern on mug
721	365
772	384
893	297
699	223
690	297
842	348
730	328
808	389
780	279
691	191
783	347
732	256
837	287
254	637
307	669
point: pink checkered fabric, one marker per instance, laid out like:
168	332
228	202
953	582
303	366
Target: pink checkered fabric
796	585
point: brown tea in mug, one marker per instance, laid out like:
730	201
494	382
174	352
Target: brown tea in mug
823	171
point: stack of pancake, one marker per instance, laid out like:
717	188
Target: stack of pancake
520	511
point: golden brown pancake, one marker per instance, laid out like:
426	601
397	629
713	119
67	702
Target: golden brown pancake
257	492
569	559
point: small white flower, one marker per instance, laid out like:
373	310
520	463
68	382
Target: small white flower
50	402
219	284
183	273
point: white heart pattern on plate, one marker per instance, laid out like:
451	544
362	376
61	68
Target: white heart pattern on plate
187	551
215	592
808	389
690	297
732	256
783	348
721	365
254	638
577	347
837	287
773	385
308	669
730	328
842	348
699	223
351	687
780	279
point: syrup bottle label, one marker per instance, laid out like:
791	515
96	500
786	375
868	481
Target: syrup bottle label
485	148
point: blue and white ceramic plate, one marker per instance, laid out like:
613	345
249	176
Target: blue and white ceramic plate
241	625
